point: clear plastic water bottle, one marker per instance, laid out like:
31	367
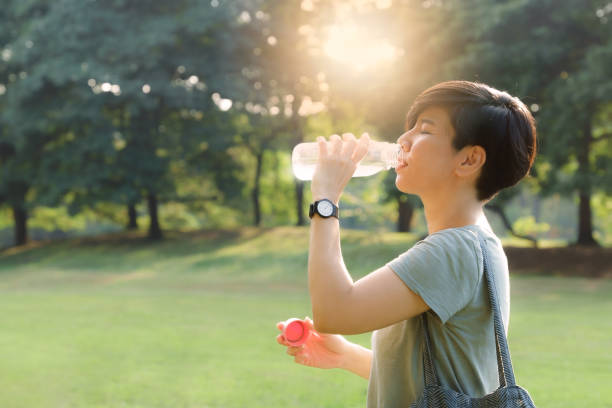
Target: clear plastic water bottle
380	156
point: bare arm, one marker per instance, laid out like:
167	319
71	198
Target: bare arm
340	305
358	361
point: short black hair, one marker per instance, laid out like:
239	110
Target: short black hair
484	116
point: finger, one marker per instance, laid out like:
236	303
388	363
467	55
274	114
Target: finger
336	143
309	323
313	332
280	325
349	144
281	340
362	148
303	358
292	351
322	146
310	326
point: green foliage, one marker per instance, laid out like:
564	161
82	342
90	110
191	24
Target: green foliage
602	207
119	94
102	103
277	190
51	219
529	226
556	56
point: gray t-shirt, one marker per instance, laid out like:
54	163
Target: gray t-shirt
446	270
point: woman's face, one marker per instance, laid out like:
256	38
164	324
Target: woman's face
428	155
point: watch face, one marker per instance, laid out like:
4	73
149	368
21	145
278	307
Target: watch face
325	208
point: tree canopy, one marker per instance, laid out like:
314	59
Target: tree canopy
122	107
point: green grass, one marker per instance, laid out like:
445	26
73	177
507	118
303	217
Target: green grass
190	322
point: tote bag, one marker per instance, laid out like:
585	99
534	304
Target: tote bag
507	395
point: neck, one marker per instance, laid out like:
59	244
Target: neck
452	209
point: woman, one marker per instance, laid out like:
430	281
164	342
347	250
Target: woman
464	143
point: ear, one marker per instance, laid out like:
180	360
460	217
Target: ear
470	160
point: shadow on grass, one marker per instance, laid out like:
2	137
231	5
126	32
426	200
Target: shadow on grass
273	252
125	242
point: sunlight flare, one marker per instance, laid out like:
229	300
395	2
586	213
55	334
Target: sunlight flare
354	46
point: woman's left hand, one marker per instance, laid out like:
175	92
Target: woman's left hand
336	164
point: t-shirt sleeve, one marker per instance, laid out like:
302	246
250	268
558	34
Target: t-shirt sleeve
444	269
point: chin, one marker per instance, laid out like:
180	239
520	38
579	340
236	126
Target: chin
402	186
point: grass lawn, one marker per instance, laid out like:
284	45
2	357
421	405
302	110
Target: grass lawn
190	322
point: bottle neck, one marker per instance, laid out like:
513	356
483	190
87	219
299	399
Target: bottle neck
390	153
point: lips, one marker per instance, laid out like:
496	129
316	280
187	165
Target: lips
401	163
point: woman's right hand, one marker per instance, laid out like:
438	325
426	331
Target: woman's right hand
320	350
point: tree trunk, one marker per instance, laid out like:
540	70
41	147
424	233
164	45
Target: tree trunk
155	231
132	217
499	210
299	198
255	192
298	138
585	216
20	215
406	211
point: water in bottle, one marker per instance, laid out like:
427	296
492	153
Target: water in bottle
380	156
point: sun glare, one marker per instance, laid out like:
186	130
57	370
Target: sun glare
354	46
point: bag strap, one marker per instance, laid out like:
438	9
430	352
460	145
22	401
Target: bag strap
431	377
504	363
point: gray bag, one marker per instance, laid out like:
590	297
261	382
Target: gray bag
507	395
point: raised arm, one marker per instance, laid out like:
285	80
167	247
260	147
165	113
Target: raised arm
340	305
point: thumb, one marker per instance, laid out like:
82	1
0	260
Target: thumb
309	323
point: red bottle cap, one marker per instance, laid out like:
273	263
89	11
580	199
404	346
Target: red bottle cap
296	332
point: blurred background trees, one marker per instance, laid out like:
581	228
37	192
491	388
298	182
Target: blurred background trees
125	115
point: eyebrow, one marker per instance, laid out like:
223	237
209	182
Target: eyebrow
427	120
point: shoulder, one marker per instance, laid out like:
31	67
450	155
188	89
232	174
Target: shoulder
460	244
445	268
454	251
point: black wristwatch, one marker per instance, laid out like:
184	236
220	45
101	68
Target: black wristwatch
324	208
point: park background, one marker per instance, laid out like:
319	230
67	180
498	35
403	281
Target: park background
152	231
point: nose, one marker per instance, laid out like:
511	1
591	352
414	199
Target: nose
405	142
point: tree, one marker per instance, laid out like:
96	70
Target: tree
283	69
23	143
584	96
104	87
556	56
381	95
